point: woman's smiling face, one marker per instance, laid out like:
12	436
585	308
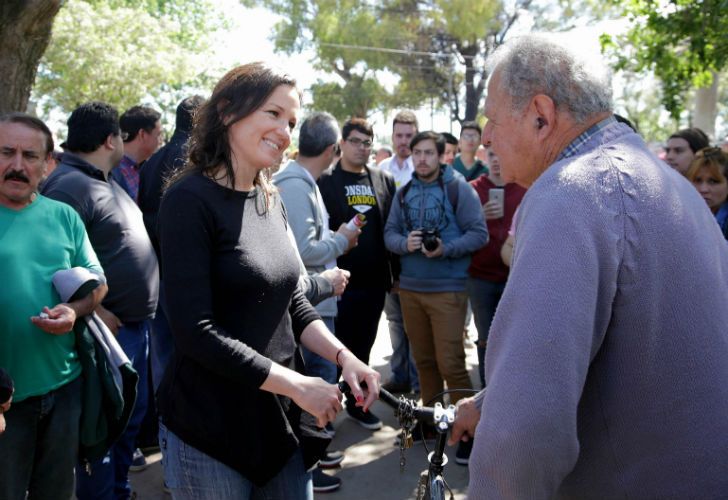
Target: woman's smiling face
259	140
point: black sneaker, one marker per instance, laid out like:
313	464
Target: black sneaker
462	453
331	460
323	482
396	387
367	420
138	461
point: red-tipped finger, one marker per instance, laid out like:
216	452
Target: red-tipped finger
356	390
372	391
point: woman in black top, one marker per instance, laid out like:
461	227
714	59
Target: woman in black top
231	398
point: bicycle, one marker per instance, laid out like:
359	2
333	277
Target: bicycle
432	484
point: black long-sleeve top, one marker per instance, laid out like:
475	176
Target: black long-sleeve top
234	307
152	176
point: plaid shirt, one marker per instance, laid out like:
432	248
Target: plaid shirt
127	176
575	145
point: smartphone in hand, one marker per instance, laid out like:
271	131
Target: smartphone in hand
497	195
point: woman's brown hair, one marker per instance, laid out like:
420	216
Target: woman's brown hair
714	159
238	94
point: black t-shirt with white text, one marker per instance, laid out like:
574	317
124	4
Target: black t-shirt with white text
367	261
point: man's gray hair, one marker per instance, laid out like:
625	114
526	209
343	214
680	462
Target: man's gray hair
538	64
318	132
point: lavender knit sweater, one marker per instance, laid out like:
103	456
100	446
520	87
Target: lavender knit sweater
607	361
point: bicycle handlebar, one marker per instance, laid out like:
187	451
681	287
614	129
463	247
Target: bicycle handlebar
422	413
408	412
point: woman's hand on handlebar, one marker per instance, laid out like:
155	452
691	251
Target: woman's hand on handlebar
319	398
355	372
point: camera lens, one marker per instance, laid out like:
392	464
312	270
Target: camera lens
429	240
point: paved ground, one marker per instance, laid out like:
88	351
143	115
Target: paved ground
371	467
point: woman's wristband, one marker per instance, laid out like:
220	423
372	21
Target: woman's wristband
338	363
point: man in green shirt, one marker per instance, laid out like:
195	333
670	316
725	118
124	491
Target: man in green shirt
38	237
466	163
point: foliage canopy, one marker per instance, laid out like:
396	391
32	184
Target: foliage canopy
124	52
684	42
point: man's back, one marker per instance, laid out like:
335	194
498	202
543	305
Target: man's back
152	176
615	316
116	230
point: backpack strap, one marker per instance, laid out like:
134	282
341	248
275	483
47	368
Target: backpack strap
450	188
402	192
453	192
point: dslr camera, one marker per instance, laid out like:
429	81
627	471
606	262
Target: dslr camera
429	238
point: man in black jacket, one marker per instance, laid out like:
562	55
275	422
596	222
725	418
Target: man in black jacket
156	170
349	189
163	163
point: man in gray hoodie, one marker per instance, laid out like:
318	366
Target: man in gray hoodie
317	244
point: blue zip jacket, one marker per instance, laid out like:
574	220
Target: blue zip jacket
462	230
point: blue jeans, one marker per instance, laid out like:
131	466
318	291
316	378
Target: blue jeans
39	447
484	298
191	474
109	478
404	370
161	344
316	366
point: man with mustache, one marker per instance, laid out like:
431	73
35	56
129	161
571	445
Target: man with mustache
38	237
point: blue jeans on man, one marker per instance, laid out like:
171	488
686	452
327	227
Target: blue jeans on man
39	447
316	366
484	297
161	343
109	478
402	364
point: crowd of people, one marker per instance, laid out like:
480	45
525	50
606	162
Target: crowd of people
239	290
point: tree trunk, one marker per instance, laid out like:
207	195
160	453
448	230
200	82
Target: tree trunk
473	90
706	107
25	30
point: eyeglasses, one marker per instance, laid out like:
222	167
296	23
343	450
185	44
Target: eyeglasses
470	136
359	143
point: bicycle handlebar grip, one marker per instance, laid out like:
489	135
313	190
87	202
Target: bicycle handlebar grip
425	414
384	395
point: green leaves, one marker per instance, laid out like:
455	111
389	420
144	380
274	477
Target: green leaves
414	44
682	41
123	52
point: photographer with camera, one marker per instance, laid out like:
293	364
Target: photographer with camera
435	224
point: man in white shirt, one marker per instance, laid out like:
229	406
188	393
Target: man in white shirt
404	373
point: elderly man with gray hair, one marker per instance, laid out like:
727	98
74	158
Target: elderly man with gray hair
608	356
